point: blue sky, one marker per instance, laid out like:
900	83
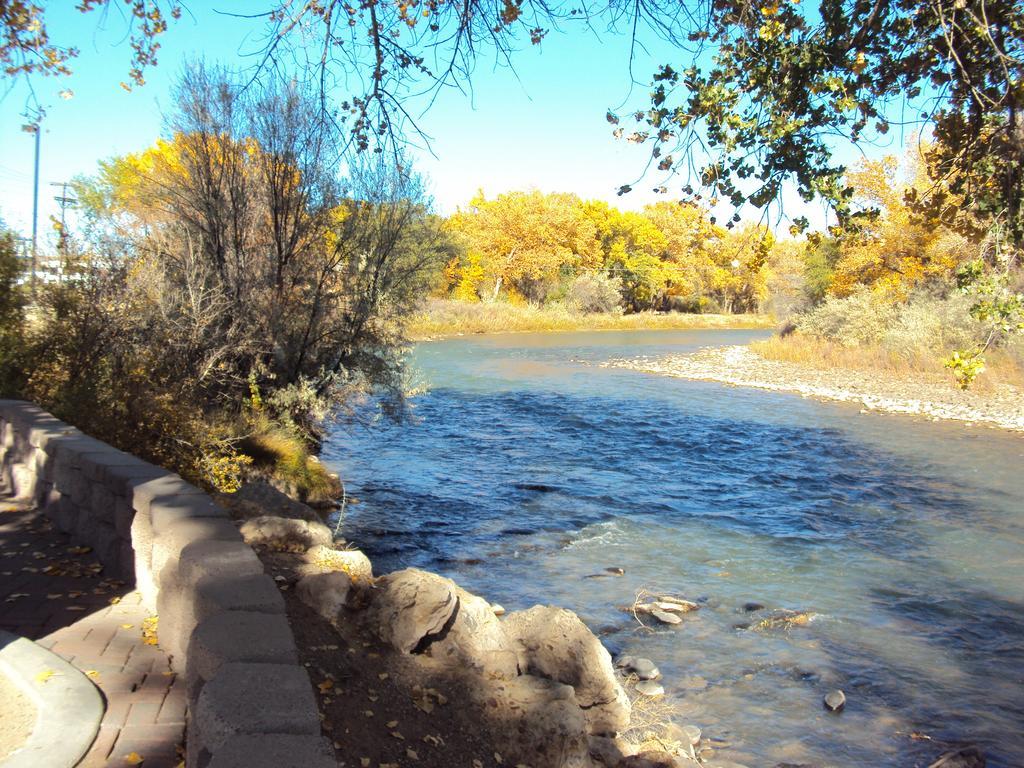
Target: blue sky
541	126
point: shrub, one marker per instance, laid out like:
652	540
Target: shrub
594	292
12	317
860	319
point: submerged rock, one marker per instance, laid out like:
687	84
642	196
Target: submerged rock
650	688
667	618
783	619
641	667
751	607
965	757
835	700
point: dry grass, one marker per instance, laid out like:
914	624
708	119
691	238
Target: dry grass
441	318
287	458
651	722
1001	366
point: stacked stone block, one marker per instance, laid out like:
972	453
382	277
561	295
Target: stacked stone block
221	618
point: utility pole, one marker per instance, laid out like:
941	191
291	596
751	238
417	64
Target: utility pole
34	127
64	202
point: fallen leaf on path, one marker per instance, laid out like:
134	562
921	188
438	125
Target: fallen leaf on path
45	675
392	724
133	758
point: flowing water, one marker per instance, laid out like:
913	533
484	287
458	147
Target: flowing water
527	467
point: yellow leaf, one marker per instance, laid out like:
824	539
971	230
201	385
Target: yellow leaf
325	686
133	758
127	626
45	675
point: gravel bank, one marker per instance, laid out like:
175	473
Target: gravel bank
932	398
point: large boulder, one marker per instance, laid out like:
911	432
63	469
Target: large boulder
284	534
420	612
555	644
325	593
324	559
476	640
535	722
412	607
257	499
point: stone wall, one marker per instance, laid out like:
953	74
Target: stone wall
221	618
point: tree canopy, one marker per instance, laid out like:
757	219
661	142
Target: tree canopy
757	96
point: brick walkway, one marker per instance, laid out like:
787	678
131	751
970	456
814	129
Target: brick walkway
55	593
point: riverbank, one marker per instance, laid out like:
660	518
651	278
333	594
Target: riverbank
442	319
928	396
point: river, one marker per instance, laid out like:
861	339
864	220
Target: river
526	467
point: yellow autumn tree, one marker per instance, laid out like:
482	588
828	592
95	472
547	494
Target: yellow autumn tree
690	241
524	242
633	250
898	250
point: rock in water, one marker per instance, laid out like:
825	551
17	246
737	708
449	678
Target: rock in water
644	669
965	757
614	571
835	700
751	607
692	733
666	618
498	610
650	688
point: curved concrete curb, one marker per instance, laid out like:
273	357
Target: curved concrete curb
70	706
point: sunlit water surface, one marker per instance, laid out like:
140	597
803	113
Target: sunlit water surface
527	468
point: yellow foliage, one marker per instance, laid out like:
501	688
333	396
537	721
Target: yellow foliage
898	250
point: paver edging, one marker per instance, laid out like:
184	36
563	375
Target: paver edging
122	507
69	706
